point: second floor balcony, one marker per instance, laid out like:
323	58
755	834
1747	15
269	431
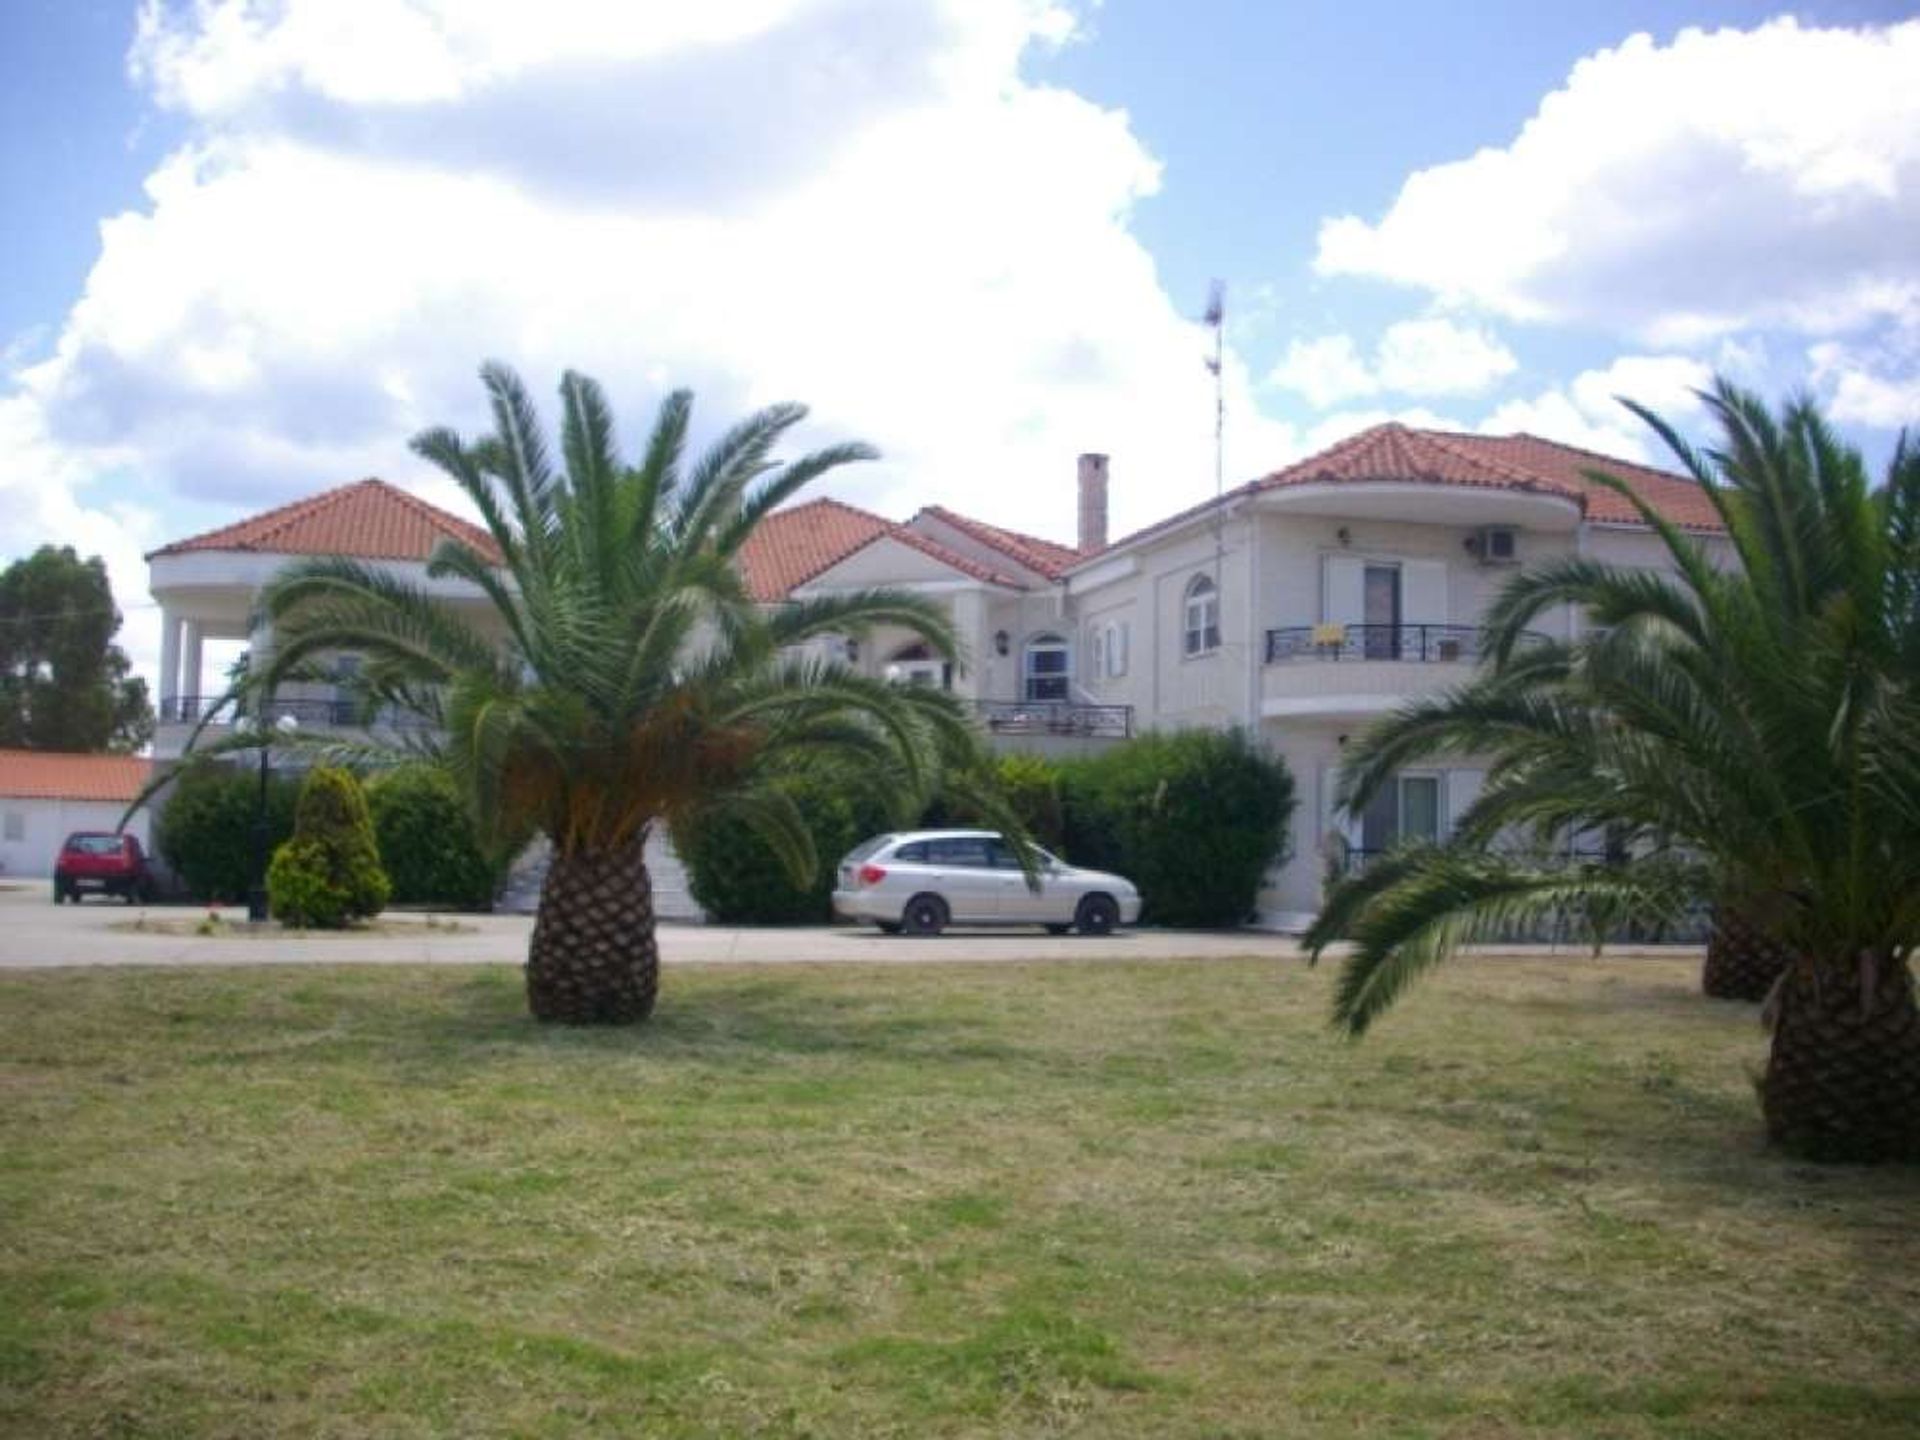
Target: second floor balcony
1353	671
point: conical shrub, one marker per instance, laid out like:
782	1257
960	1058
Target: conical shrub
328	875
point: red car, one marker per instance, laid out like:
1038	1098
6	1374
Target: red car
99	862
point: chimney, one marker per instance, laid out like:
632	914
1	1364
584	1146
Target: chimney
1093	503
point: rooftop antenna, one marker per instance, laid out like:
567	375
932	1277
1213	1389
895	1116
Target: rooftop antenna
1215	318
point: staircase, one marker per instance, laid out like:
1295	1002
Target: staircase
672	899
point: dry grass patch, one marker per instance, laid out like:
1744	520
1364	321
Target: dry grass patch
1105	1200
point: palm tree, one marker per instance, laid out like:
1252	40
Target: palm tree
1749	732
618	676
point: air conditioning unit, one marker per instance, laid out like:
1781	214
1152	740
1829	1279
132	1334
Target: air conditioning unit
1497	545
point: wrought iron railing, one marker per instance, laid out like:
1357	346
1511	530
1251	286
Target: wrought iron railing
1056	717
335	714
1423	643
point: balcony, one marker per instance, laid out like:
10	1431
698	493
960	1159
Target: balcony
1061	718
332	714
1351	672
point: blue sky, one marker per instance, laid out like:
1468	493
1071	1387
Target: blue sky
975	232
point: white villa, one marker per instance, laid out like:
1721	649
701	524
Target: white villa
1298	606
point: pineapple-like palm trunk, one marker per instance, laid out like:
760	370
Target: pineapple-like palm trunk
594	959
1843	1079
1742	961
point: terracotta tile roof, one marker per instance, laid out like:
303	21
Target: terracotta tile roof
1045	557
58	775
1678	497
1395	452
795	545
369	520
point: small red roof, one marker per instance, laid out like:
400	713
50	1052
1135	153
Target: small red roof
59	775
369	520
792	546
1045	557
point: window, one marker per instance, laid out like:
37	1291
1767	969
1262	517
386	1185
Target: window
14	826
968	851
1407	809
917	665
1201	633
1116	649
1047	668
913	853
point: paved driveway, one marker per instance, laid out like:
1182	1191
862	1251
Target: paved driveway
36	932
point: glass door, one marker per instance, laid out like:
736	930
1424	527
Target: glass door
1380	597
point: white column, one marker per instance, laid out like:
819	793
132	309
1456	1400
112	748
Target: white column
190	683
169	658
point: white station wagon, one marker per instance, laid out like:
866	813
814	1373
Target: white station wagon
920	881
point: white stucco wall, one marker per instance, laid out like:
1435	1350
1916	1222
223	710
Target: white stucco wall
42	825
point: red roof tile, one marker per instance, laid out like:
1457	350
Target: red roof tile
1677	497
369	520
1044	557
792	546
58	775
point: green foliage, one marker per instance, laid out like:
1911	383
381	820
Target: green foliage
427	842
738	878
993	789
64	684
205	831
329	874
1195	819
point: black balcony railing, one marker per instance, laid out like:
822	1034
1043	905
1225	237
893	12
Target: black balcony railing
1056	717
1433	644
334	714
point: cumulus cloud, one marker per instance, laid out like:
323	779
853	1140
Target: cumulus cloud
1587	411
863	205
1434	356
1731	179
1858	389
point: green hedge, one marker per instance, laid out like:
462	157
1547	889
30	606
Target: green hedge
738	880
328	875
205	829
427	842
1195	819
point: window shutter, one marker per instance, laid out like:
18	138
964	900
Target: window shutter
1423	592
1343	590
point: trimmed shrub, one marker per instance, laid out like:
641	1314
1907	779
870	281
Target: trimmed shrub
427	842
329	874
1195	819
205	830
737	878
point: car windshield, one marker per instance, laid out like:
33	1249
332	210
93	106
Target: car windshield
95	844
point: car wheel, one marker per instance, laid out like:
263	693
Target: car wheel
59	893
1058	929
887	927
924	915
1098	915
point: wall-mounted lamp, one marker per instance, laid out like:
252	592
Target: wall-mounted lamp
1001	642
1343	535
853	651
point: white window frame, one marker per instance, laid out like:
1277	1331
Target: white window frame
1200	618
1116	648
1046	642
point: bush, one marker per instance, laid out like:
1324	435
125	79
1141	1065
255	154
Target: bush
427	842
737	878
329	874
205	831
1195	819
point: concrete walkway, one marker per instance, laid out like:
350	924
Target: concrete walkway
34	932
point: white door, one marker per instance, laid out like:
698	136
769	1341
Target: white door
1343	599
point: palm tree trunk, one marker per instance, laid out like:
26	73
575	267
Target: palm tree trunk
1742	962
1843	1080
594	959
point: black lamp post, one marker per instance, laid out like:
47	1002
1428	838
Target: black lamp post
257	897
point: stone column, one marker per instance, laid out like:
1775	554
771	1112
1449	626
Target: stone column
190	682
169	662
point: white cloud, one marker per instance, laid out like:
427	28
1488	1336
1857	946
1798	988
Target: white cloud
942	265
1342	423
1765	178
1433	356
1326	370
1858	391
1587	411
1440	357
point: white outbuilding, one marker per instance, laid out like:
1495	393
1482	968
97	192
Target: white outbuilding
46	795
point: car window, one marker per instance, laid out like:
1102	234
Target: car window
912	853
865	848
95	844
967	850
1004	858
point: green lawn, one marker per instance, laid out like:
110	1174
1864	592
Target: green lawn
1102	1200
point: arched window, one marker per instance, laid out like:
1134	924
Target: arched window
1201	631
1047	668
